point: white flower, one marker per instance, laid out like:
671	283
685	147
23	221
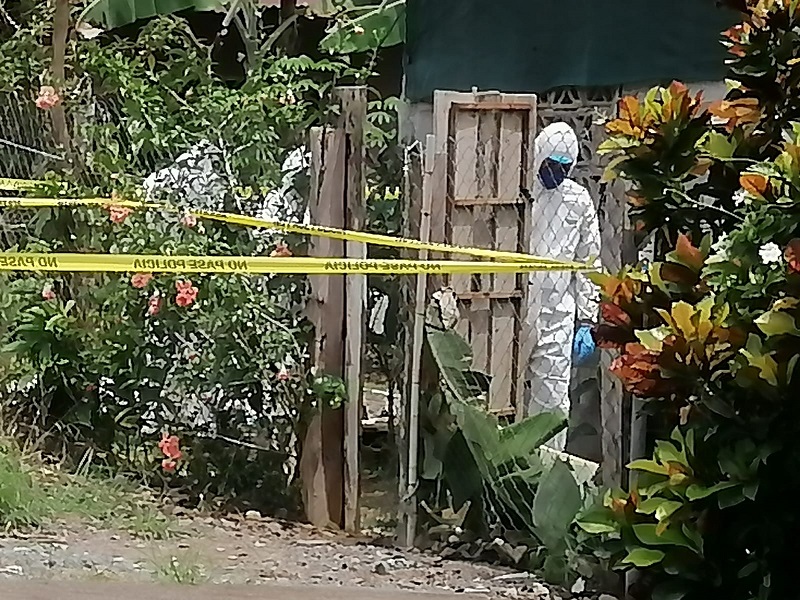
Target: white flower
720	248
770	253
88	32
740	197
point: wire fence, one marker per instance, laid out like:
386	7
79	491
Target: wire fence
502	172
507	173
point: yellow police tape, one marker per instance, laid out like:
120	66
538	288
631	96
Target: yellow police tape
315	230
135	263
524	262
19	185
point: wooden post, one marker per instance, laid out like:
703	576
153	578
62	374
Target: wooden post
59	43
329	464
417	343
353	101
321	462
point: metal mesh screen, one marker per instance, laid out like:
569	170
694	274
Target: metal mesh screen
516	173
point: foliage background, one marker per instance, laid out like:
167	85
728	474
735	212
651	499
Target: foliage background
86	367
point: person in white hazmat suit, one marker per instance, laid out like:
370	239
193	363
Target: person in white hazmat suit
562	306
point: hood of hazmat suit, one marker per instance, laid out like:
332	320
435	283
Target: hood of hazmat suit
564	225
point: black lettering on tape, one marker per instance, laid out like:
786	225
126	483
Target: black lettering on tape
48	262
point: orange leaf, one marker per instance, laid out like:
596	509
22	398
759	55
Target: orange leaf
688	254
636	199
792	255
614	314
629	109
754	183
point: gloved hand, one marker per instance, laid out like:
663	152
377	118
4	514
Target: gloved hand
583	346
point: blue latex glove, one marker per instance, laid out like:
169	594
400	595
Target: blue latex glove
583	346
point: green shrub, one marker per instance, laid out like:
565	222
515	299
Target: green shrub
707	334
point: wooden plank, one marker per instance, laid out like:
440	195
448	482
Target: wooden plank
507	237
488	154
503	352
438	212
482	237
510	168
353	102
443	101
462	157
321	460
480	324
516	201
462	221
498	106
463	154
491	295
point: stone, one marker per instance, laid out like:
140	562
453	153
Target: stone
380	568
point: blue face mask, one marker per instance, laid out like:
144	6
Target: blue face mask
554	171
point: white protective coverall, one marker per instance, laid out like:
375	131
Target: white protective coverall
564	226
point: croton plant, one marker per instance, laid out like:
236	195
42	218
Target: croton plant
707	335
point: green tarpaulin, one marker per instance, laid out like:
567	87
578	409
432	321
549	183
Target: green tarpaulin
537	45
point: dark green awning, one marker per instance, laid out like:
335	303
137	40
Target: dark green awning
537	45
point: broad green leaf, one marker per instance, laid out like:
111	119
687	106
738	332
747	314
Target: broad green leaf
648	533
698	492
556	504
766	365
668	452
643	557
777	323
453	356
661	507
522	438
596	519
717	145
653	339
116	13
597	528
667	508
366	28
610	173
648	466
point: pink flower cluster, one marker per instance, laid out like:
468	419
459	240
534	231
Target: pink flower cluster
187	293
170	446
48	98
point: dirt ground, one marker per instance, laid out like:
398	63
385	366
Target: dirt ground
19	590
246	551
